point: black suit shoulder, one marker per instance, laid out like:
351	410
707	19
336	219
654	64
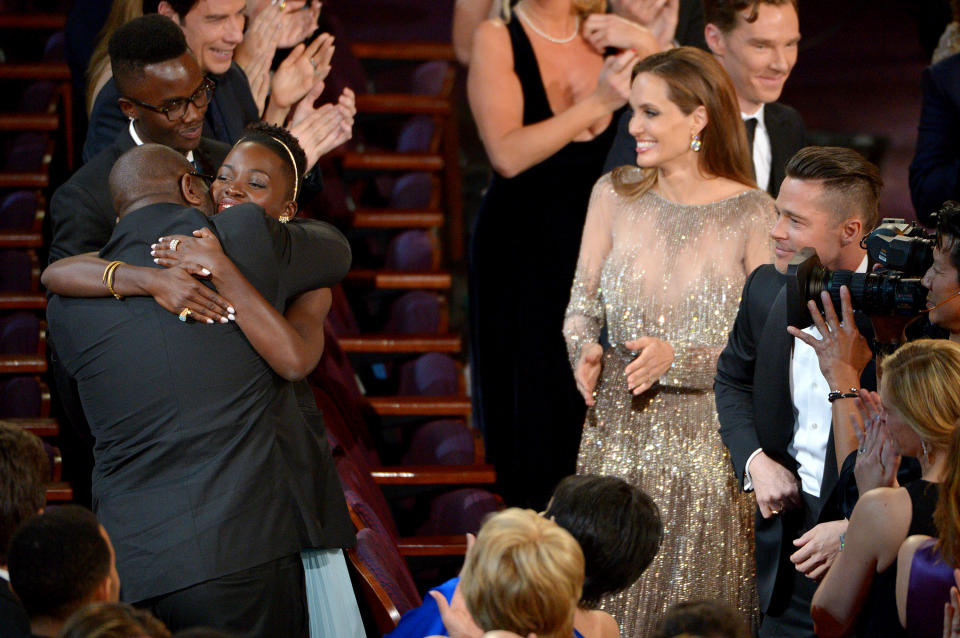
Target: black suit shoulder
787	136
81	210
13	618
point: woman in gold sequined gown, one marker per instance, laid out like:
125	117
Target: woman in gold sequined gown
664	255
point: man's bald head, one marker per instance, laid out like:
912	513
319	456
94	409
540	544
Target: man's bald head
152	174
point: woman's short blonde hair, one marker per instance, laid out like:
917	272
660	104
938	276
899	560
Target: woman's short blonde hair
524	574
920	379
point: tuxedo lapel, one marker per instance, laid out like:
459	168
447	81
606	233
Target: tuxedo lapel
773	120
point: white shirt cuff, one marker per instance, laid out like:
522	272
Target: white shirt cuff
747	481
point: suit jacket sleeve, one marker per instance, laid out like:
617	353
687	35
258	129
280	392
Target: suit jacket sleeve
733	386
690	25
935	169
79	224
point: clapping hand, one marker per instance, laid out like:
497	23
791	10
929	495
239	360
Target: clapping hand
320	130
659	16
300	71
877	458
606	30
951	610
613	85
297	24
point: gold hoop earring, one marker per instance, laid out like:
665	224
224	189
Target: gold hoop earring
695	143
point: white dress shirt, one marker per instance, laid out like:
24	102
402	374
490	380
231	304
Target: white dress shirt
762	153
139	142
813	414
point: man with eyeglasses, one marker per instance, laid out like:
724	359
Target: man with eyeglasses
165	97
212	29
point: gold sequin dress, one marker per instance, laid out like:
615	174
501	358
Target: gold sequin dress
651	267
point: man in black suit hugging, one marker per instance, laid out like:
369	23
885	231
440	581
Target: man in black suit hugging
775	417
756	43
197	438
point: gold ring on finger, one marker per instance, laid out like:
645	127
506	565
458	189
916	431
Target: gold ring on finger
186	312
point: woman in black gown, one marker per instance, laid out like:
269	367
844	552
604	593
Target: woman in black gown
543	101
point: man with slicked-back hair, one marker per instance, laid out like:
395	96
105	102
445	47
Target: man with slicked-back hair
772	399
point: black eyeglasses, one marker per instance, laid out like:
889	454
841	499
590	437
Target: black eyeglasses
176	108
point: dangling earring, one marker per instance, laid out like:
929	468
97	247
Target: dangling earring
923	450
695	143
284	219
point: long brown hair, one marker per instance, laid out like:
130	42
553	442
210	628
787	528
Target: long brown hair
695	79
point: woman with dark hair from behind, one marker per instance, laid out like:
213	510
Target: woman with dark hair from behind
666	247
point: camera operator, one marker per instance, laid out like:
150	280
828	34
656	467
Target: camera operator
772	401
942	279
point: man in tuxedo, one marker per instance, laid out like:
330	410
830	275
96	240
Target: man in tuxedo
756	43
775	417
199	442
24	472
213	29
165	98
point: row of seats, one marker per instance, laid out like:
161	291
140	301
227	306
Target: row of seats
36	148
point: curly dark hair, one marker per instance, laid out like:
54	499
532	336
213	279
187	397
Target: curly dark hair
276	138
723	13
146	40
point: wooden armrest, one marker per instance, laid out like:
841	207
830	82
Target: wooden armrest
401	343
421	406
22	301
22	364
59	492
412	50
390	161
24	179
397	218
35	71
39	426
403	103
453	545
29	122
20	239
434	474
32	20
393	279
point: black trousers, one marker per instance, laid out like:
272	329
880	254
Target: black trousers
265	601
789	614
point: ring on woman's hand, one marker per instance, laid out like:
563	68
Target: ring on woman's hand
774	512
186	312
174	244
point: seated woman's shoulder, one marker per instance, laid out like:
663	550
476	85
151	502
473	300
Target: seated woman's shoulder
596	623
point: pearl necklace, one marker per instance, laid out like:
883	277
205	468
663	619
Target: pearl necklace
522	14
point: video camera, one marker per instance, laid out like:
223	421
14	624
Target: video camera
898	255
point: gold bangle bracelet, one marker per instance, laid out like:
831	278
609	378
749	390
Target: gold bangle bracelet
108	275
